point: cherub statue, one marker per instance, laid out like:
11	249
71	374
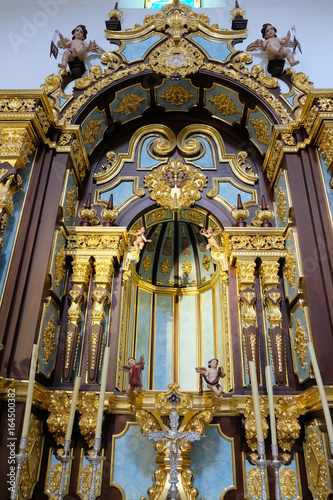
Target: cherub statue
134	375
276	48
77	47
210	235
140	238
211	376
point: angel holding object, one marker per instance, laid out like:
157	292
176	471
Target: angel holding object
275	48
77	48
134	370
210	235
140	238
211	376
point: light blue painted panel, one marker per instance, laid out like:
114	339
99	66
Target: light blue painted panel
134	463
135	51
143	332
327	179
163	342
146	161
262	144
185	84
207	326
212	465
12	223
207	159
187	343
215	50
120	193
230	192
99	117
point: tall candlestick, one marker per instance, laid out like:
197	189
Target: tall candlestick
72	409
30	393
321	390
269	385
256	402
102	392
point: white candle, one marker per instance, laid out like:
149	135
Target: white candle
321	390
72	409
28	403
256	403
102	393
269	385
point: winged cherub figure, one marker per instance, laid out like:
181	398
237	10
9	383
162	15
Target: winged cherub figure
210	235
134	370
140	238
275	48
211	376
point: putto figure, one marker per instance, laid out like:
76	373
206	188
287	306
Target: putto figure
134	375
77	48
211	376
275	48
140	238
210	235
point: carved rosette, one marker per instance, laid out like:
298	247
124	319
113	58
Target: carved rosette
250	422
287	427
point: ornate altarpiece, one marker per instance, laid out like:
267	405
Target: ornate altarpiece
175	126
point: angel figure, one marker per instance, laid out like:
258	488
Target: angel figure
211	376
210	235
77	48
134	375
276	48
140	238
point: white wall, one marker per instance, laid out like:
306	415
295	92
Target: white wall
27	27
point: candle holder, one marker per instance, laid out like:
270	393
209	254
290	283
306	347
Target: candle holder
95	460
64	459
276	464
21	457
262	464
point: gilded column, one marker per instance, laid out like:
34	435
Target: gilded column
77	295
272	298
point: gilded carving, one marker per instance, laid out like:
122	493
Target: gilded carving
166	267
129	104
326	146
224	104
94	241
245	167
158	215
146	263
60	264
58	405
70	203
147	421
254	483
316	465
8	187
325	104
250	423
175	185
187	480
281	204
300	341
111	59
177	95
78	159
43	119
55	478
95	73
17	104
176	16
261	130
288	139
300	80
206	262
310	118
91	131
290	268
199	422
192	215
88	408
28	476
160	477
288	483
176	61
287	426
49	339
15	145
257	242
65	139
274	161
245	272
187	267
165	407
269	275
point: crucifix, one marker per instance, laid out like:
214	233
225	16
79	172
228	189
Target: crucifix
172	438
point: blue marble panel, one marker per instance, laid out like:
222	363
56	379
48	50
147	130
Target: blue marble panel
136	50
229	192
262	140
229	94
134	461
120	193
143	332
99	116
170	106
132	113
207	326
327	178
212	464
215	50
12	223
187	343
163	342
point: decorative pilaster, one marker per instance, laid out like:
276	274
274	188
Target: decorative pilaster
10	183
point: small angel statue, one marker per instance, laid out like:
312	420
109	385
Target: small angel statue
77	48
210	235
134	375
211	376
140	238
276	48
